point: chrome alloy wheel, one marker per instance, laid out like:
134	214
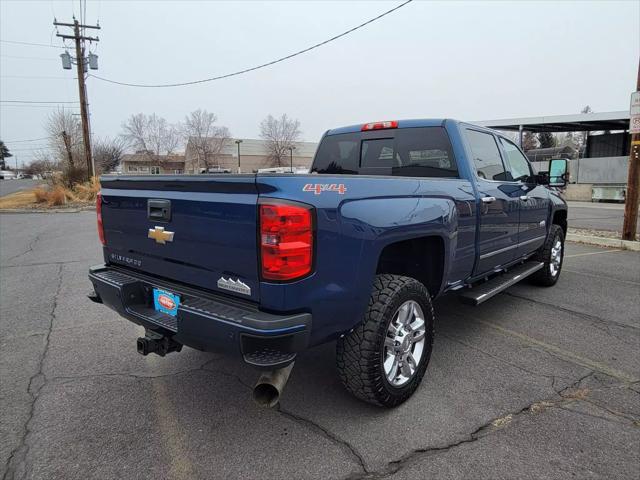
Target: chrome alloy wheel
404	343
556	257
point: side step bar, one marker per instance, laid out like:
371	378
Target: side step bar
484	291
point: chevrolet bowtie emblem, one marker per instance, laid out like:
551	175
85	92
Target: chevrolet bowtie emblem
160	236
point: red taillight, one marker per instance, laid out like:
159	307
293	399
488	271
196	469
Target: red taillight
99	215
286	238
379	125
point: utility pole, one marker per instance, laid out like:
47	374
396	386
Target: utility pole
633	180
81	63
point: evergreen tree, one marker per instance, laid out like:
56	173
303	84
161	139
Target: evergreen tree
4	153
546	139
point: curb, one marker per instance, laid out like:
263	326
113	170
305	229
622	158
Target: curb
604	242
47	210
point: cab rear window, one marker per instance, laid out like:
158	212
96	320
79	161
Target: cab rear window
406	152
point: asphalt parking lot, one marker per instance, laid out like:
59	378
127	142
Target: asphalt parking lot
536	383
597	216
11	186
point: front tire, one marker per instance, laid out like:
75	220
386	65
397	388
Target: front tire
382	361
552	254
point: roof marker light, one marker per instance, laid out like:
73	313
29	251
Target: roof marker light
379	125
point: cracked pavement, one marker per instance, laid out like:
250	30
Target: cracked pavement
536	383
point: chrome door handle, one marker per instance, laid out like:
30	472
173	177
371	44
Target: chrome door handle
524	198
488	199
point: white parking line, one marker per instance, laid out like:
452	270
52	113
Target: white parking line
601	277
563	353
591	253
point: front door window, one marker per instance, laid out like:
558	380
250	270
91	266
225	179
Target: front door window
520	169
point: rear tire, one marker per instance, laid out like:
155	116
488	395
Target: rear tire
552	254
382	361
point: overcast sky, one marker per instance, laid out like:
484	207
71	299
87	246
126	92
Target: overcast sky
466	60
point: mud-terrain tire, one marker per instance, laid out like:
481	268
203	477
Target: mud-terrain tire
373	346
548	275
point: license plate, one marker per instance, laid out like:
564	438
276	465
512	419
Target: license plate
166	302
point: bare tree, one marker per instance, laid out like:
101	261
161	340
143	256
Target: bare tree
66	146
151	135
65	138
205	137
529	141
107	153
43	163
581	138
280	134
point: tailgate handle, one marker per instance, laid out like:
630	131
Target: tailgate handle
159	210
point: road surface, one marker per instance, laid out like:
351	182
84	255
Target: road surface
12	186
596	216
536	383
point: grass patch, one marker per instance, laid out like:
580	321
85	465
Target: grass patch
18	200
53	196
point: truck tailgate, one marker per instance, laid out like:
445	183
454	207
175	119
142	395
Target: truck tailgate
200	230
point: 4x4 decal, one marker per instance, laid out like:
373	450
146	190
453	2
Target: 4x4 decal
318	188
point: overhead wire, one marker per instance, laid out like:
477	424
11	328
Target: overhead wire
28	140
41	106
29	58
33	149
37	101
48	77
257	67
16	42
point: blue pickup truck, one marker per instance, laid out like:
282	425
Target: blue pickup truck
263	266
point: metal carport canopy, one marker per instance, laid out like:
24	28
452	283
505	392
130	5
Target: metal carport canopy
581	122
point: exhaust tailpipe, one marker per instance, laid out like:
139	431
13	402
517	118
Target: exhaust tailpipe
270	385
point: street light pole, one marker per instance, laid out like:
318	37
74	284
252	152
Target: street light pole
291	149
238	142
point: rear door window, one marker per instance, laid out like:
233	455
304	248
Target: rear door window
408	152
486	156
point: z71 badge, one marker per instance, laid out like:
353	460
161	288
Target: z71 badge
318	188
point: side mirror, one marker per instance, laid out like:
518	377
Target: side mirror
558	172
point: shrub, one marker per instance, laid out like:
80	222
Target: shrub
41	195
72	176
87	191
57	196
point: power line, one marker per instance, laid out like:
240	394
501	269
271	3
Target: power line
28	58
34	101
16	42
258	67
34	149
35	76
27	140
28	147
41	106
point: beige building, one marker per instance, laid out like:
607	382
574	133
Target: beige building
253	156
142	163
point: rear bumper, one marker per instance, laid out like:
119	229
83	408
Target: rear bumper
204	321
